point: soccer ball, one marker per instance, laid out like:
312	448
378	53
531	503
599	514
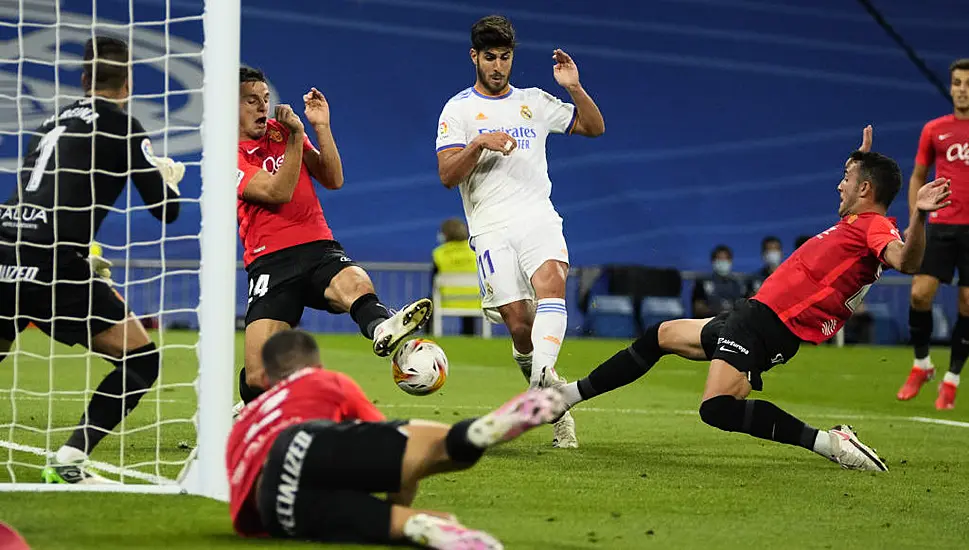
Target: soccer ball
419	366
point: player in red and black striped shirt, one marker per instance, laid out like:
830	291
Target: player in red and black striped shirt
807	299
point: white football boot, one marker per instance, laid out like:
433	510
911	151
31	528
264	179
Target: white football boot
520	414
390	333
563	429
851	453
441	534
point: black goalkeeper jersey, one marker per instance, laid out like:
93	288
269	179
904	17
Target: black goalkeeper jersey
75	168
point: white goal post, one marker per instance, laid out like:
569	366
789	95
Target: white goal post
32	33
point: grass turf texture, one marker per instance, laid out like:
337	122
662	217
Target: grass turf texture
648	473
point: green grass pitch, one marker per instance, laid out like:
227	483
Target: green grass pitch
648	473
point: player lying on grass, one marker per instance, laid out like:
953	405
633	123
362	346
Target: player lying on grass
290	254
74	169
305	458
807	299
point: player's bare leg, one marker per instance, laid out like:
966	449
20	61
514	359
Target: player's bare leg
127	346
725	406
957	359
680	337
434	448
924	289
518	318
352	290
257	332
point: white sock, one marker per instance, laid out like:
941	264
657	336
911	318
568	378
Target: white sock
571	393
69	455
951	378
822	444
924	363
548	331
416	526
524	361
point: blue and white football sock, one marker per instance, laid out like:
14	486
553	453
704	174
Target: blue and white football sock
548	331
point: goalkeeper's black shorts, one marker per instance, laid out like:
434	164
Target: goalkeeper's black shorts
318	480
56	292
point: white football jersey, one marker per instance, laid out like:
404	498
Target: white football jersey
506	190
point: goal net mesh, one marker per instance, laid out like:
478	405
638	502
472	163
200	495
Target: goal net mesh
45	386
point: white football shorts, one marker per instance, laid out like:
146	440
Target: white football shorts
508	258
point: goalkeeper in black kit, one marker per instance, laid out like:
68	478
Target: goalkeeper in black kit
75	168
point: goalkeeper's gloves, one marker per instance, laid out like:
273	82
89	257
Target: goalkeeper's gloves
172	172
99	265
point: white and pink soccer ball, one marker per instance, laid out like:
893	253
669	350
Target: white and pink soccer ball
420	367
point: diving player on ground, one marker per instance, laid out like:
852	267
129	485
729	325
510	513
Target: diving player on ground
305	458
807	299
77	165
491	145
290	254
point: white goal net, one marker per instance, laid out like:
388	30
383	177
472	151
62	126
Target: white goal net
184	92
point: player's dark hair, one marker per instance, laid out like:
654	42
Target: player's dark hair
882	172
493	31
721	248
959	65
249	74
106	60
801	240
287	352
769	240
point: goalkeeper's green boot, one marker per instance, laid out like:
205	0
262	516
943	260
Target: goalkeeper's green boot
73	474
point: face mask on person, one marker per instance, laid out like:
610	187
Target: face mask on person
772	258
722	267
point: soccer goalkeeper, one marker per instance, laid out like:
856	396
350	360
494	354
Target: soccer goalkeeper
77	165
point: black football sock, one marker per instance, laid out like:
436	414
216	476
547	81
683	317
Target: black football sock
960	345
625	367
761	419
116	396
459	447
367	312
247	392
920	328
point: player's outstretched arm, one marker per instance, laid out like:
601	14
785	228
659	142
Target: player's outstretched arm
588	118
324	165
907	257
278	188
455	165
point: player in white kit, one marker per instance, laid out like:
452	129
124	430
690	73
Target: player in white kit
491	145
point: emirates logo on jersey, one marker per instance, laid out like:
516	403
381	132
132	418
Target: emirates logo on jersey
957	152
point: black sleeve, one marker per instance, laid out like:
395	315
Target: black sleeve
148	181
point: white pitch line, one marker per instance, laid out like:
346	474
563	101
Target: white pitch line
941	421
101	466
80	399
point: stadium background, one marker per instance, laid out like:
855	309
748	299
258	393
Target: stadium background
727	120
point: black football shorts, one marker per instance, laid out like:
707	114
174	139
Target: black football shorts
283	283
318	480
751	338
946	250
62	298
